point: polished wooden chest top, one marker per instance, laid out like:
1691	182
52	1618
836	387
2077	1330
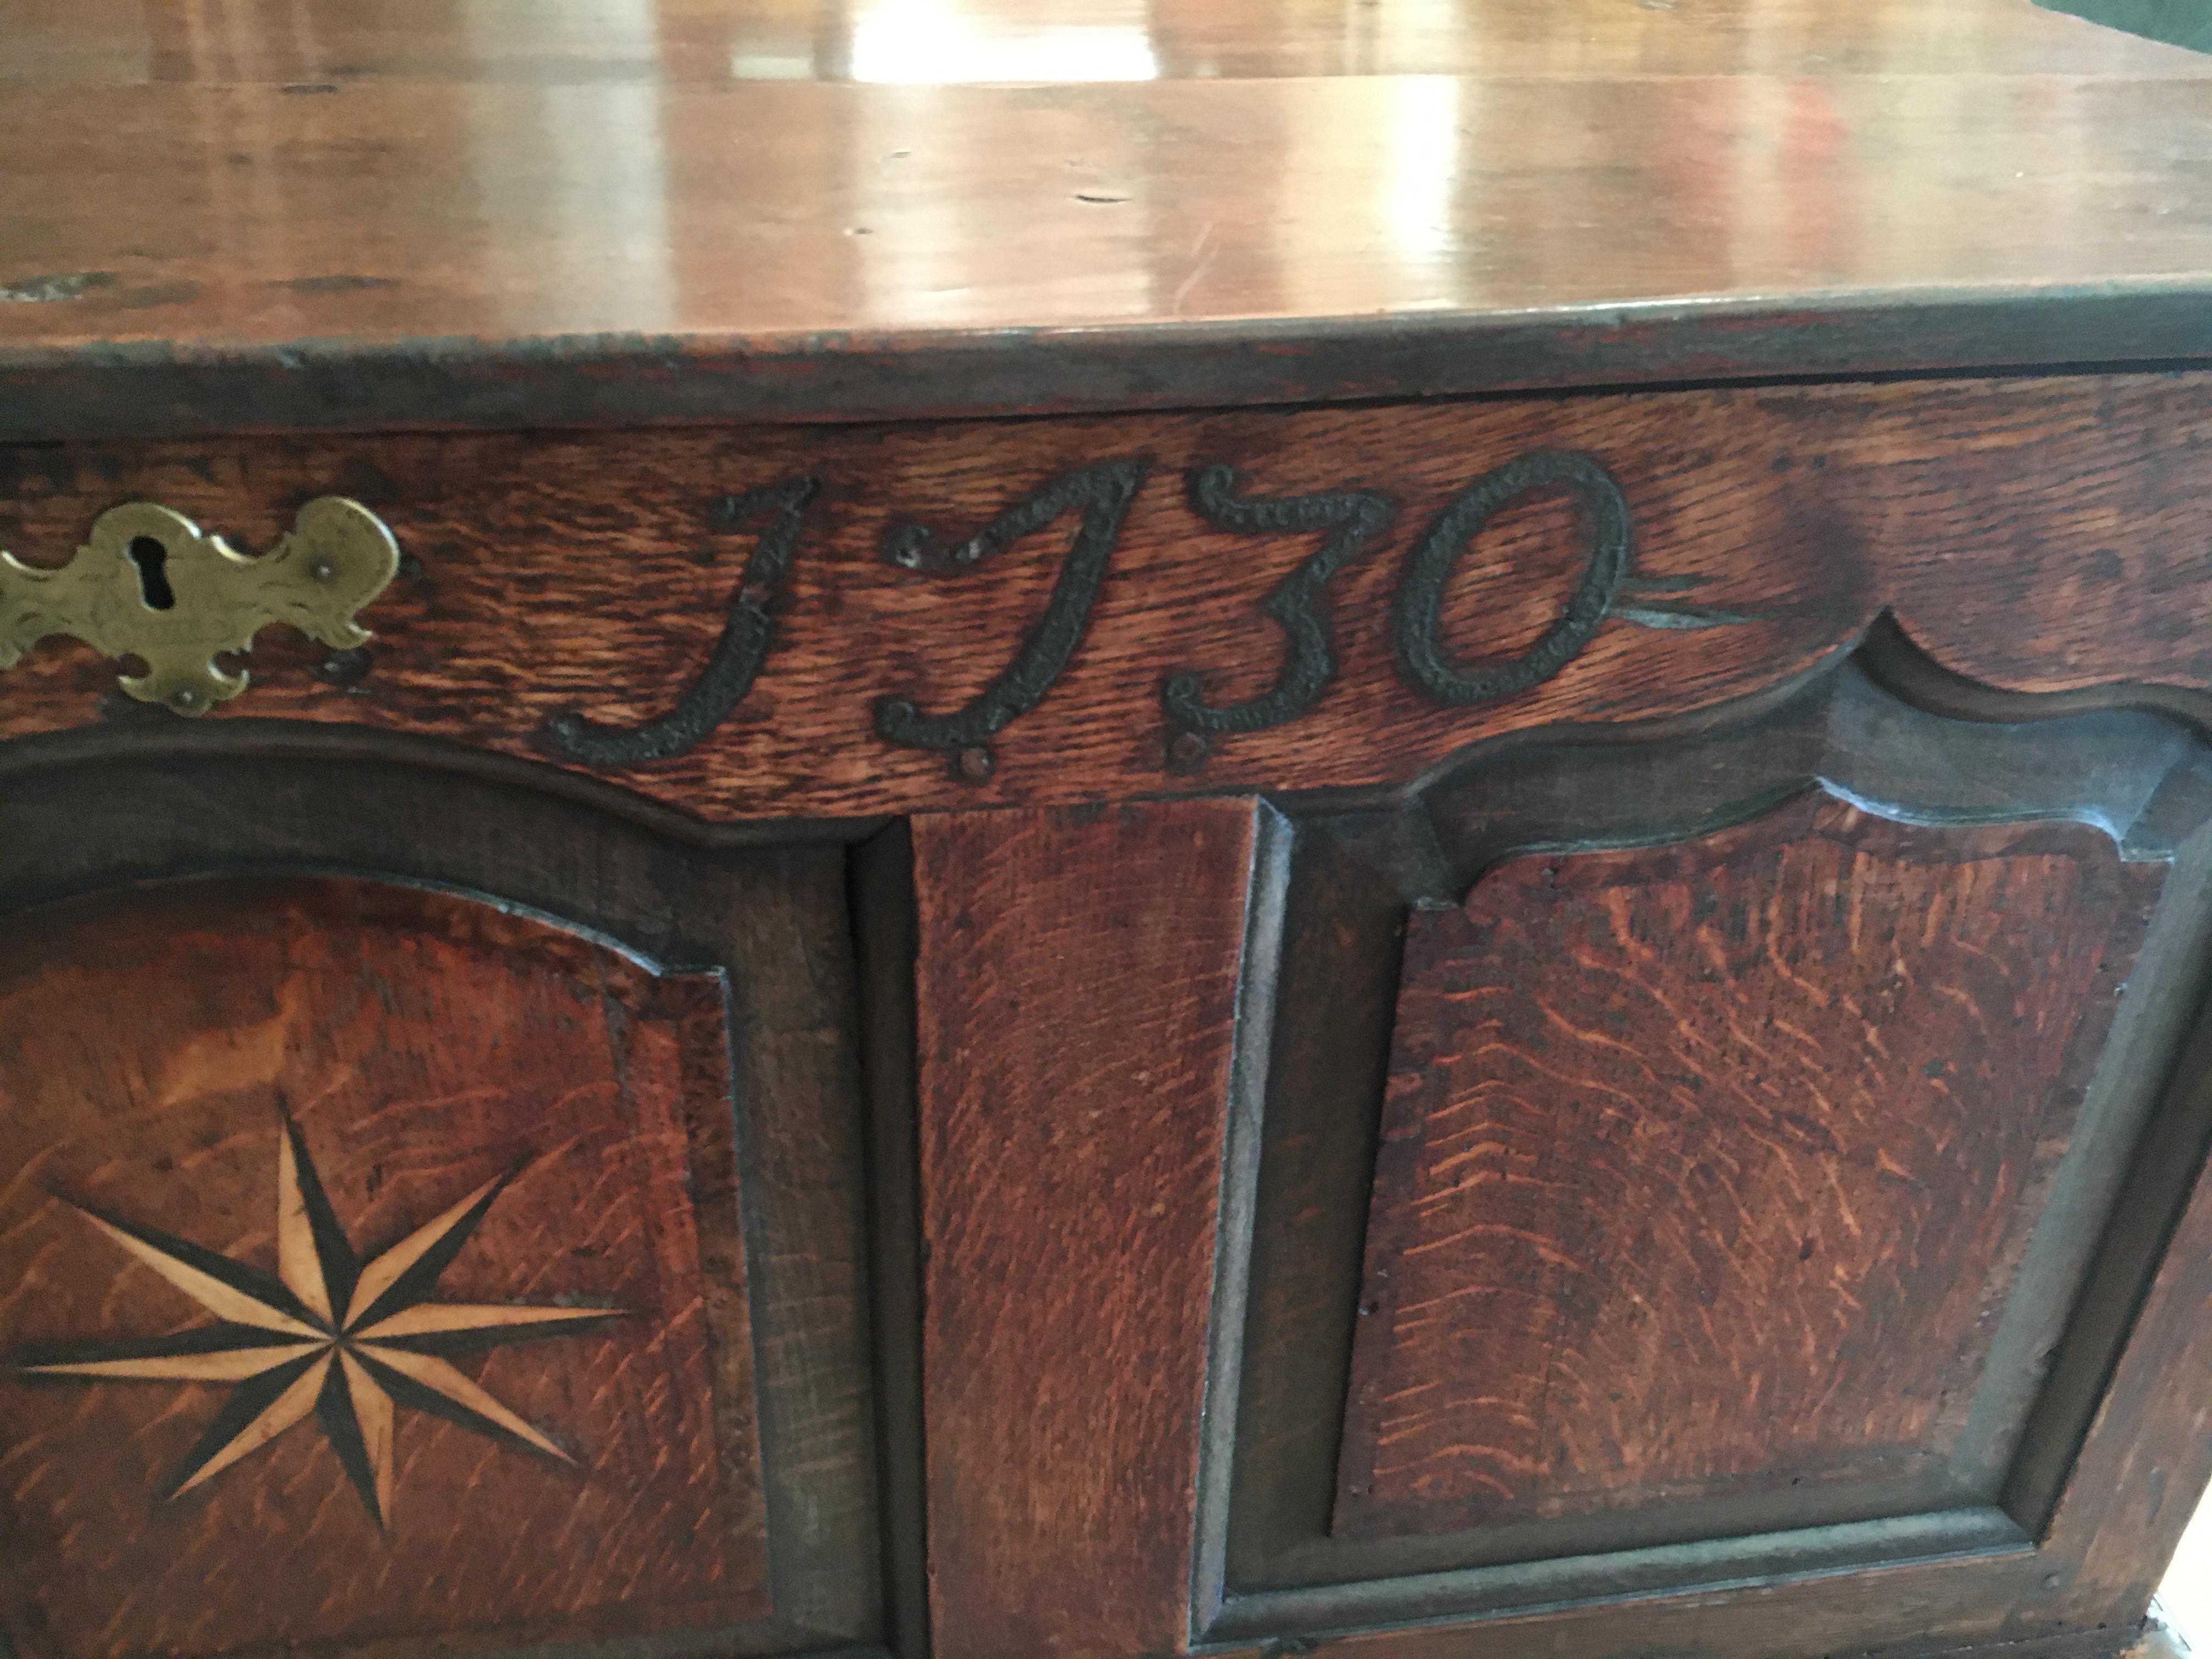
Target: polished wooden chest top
923	831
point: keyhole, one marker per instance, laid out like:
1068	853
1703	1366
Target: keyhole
149	554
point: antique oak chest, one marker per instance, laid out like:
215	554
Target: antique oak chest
951	829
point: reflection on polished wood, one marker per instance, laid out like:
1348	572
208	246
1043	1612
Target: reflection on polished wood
1011	41
968	41
725	186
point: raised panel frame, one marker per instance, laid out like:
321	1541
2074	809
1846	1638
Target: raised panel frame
1266	1565
772	921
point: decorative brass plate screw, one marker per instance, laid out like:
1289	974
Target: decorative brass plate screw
149	584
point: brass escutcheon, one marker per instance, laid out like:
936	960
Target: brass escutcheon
149	584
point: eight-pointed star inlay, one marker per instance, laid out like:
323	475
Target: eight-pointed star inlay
344	1339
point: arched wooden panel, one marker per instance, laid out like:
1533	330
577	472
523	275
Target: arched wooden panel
1707	1168
401	1231
1708	1160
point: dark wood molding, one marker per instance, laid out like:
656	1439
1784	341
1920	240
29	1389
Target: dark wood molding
337	384
880	897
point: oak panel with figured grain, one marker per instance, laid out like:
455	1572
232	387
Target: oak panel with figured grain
1077	999
2034	535
1706	1169
424	1043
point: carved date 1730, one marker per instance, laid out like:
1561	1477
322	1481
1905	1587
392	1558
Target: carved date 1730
1098	498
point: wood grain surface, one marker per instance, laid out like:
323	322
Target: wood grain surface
1077	996
709	42
1706	1169
225	214
2145	1465
1963	1608
424	1044
2035	535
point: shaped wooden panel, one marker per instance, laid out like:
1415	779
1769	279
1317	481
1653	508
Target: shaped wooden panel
351	1284
1707	1169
